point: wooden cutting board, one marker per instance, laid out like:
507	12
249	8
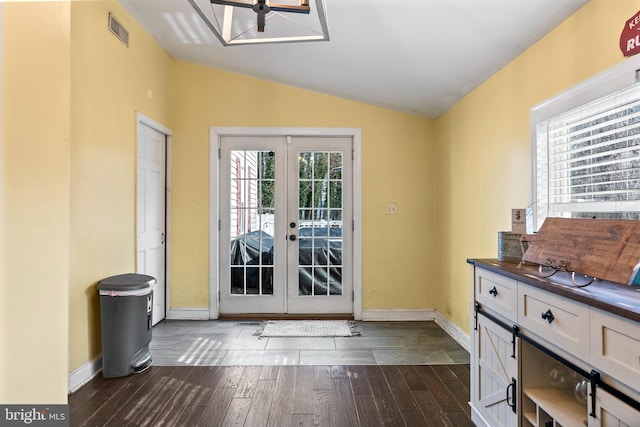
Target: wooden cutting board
603	248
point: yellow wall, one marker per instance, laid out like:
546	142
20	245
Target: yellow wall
483	143
398	166
34	203
110	82
70	91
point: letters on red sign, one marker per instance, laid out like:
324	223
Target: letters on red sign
630	37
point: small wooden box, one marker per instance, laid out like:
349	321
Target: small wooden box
510	249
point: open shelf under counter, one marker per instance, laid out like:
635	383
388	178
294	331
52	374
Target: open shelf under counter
558	404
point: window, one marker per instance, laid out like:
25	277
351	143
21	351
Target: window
587	155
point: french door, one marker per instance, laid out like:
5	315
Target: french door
286	237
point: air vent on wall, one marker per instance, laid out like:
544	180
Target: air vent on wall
118	30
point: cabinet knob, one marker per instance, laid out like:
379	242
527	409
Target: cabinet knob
548	316
493	291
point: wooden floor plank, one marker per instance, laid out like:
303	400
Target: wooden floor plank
285	387
300	396
102	415
324	408
444	373
339	371
248	382
444	398
429	407
303	394
346	412
411	377
86	404
197	397
359	382
456	387
368	414
263	396
409	410
237	412
322	377
144	395
151	414
462	372
383	395
269	372
297	420
222	396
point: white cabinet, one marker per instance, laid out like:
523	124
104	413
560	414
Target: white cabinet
494	392
521	331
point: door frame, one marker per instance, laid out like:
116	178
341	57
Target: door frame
141	119
215	134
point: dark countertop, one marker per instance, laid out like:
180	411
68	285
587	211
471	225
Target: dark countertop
623	300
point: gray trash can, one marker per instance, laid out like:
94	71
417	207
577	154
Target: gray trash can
126	303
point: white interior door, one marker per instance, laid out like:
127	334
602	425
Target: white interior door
283	203
150	221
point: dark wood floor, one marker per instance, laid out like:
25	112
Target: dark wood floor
253	396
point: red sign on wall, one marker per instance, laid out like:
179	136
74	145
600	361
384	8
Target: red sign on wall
630	37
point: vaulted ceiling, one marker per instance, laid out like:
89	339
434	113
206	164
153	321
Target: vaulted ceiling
415	56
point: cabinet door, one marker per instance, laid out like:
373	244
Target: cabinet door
615	347
611	412
495	384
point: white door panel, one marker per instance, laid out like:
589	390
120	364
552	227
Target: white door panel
150	218
252	261
320	267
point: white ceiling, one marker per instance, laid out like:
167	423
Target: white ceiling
415	56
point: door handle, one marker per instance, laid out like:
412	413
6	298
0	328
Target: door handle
512	386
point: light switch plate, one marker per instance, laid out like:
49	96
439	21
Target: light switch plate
391	209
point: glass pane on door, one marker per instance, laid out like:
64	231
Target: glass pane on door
320	209
252	215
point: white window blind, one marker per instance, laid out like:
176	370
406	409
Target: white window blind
588	160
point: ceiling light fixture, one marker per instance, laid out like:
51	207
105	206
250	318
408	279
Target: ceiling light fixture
234	22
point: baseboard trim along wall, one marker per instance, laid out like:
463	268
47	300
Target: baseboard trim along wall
84	374
188	314
420	315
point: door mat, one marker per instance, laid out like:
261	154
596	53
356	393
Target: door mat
307	328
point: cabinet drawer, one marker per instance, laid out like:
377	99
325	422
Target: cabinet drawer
497	293
615	347
556	319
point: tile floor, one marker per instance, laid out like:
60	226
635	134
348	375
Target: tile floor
233	343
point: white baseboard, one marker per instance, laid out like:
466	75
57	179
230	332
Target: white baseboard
452	329
420	315
188	314
84	374
397	315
